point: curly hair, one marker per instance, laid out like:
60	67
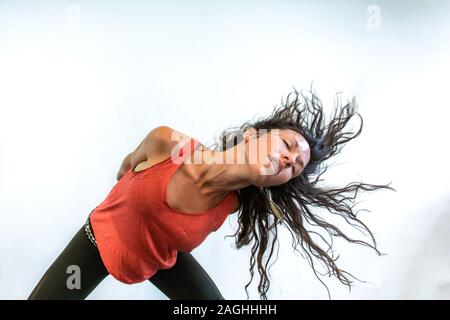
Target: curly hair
296	198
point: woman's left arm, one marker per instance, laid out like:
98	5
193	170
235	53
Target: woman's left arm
148	145
132	159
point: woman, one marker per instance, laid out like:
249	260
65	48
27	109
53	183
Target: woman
172	193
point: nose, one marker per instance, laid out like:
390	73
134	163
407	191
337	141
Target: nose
288	161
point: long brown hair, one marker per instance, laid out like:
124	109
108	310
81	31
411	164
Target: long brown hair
304	114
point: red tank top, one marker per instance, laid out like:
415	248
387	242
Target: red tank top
137	233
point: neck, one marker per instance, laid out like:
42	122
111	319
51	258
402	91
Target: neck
217	173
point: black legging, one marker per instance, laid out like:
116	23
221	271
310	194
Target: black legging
185	280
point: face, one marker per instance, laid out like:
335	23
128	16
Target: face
275	156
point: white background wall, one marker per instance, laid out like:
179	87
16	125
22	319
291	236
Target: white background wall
82	82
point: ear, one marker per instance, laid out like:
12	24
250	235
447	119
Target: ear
249	133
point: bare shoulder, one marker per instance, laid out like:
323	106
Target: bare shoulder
164	139
157	145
